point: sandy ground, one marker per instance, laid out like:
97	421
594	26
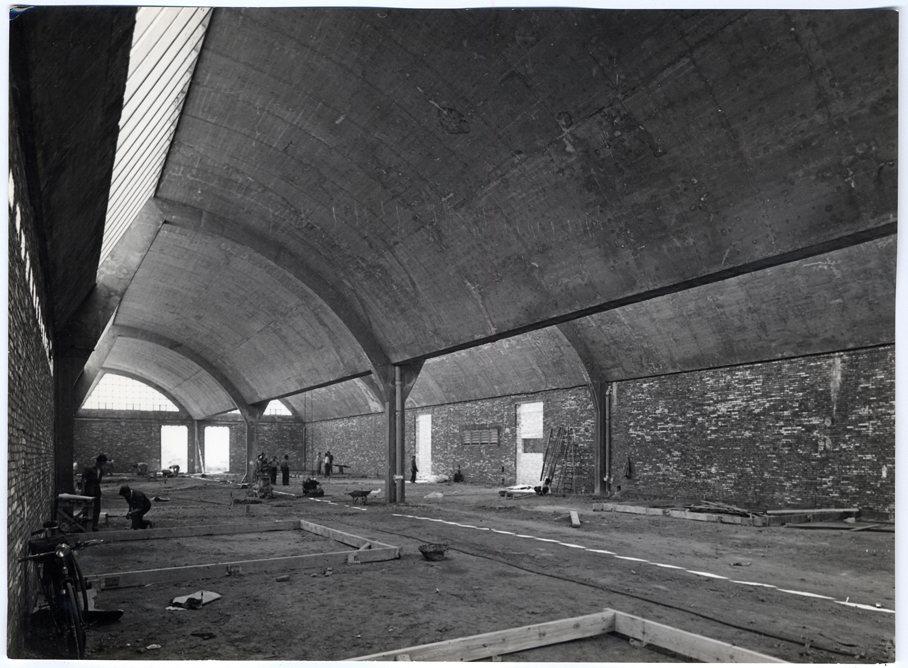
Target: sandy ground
780	591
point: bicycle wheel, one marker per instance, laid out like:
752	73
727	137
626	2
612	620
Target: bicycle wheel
73	631
80	578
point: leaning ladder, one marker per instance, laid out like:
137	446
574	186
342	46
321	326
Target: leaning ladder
565	484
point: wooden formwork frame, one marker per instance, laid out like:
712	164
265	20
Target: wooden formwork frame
498	643
366	551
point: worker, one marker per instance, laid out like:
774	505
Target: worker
413	468
138	506
312	488
272	470
329	461
285	471
91	486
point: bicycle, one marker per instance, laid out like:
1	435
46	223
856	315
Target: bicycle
61	577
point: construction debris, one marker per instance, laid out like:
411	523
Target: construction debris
575	519
193	601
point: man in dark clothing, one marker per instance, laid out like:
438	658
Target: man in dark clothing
285	471
138	506
91	486
413	468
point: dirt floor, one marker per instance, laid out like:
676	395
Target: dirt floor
785	592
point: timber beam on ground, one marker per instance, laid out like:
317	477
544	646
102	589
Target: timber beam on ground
509	641
366	551
774	519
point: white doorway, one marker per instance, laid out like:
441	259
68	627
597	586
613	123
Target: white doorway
424	444
529	426
217	449
175	447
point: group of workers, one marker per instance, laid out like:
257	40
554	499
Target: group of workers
270	466
138	503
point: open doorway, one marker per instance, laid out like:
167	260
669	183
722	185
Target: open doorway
529	440
424	444
217	449
174	446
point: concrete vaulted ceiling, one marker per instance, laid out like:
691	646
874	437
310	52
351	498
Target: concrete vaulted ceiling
349	188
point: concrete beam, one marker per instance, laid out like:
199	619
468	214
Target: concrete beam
297	267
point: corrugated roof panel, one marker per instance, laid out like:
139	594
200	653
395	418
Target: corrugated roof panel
166	46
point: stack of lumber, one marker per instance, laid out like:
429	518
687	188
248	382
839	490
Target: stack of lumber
720	509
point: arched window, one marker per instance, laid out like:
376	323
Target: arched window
115	392
275	407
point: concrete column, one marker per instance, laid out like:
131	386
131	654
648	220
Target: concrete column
251	416
68	364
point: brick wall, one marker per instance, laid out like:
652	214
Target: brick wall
133	436
30	396
358	441
808	432
496	465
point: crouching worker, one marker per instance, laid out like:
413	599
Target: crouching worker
138	506
312	488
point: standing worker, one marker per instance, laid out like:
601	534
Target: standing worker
329	460
272	469
285	471
413	468
138	506
91	486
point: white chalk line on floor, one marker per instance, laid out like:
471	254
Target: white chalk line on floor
704	574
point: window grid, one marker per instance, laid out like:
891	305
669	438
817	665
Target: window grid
115	392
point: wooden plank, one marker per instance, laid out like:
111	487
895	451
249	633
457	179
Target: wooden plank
865	527
386	553
339	536
184	532
508	641
811	511
686	644
575	519
224	569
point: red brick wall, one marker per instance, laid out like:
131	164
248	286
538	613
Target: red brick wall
807	432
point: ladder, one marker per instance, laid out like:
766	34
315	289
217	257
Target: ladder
552	454
567	473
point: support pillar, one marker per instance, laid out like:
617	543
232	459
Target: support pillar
68	364
251	416
393	388
601	393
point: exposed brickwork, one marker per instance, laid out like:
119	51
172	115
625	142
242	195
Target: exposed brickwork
30	418
496	465
357	441
809	432
130	436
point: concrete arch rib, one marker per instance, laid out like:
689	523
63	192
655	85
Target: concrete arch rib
176	347
201	221
591	368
